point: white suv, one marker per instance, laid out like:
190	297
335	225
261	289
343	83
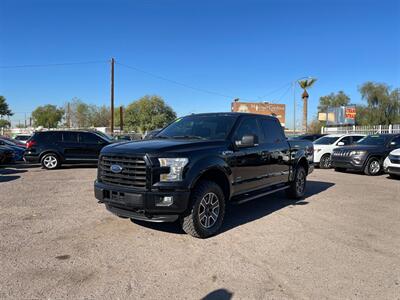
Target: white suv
323	147
391	165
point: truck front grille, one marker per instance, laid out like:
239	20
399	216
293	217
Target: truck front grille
133	171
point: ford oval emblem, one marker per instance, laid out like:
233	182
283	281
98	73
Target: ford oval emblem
116	169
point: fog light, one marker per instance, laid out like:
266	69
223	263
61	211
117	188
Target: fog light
166	201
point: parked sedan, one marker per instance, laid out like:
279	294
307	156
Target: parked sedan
13	141
324	146
391	165
23	138
18	150
309	137
367	154
6	155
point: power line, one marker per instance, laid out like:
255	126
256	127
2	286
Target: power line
275	90
284	93
177	82
54	64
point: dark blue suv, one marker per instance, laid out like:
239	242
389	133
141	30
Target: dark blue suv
53	148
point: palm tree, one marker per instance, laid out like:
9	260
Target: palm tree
305	84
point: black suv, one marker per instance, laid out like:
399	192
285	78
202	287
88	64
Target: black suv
191	169
367	154
53	148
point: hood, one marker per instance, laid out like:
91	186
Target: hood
361	148
161	145
395	152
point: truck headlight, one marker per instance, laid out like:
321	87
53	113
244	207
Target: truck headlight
176	166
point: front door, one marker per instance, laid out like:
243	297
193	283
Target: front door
247	163
91	145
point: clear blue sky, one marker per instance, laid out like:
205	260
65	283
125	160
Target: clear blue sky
244	49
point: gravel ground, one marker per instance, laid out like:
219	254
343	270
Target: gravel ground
341	241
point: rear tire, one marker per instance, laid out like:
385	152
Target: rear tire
325	162
373	167
207	210
50	161
297	187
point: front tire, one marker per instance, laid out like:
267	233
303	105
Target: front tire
206	212
325	162
297	187
373	167
50	161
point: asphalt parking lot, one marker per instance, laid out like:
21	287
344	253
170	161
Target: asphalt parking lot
341	241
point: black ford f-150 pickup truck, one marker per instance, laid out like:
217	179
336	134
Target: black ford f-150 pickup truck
195	166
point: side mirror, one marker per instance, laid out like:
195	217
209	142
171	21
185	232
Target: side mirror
340	144
247	141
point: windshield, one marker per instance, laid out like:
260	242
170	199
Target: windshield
210	127
105	136
326	140
377	140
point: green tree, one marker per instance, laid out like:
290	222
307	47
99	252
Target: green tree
334	100
383	103
4	109
4	123
148	113
47	116
99	116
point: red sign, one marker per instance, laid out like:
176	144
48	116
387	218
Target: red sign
350	113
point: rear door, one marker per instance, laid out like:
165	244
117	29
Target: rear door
91	145
275	152
71	148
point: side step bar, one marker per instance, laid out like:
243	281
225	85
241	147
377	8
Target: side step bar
261	194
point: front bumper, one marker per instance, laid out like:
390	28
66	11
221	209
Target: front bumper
142	205
347	164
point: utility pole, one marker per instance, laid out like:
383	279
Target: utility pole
69	115
121	118
25	121
294	107
112	95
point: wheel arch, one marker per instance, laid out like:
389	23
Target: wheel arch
50	151
218	175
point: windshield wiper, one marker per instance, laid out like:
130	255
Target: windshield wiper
160	137
189	137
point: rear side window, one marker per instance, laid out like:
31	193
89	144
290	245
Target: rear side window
89	138
48	137
70	137
272	131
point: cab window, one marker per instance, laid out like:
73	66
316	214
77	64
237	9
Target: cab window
272	131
